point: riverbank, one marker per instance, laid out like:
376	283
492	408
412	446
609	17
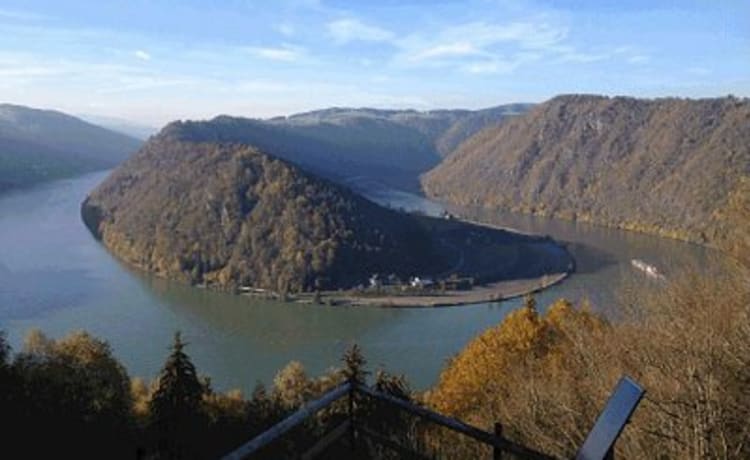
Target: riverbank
505	264
491	292
59	279
475	263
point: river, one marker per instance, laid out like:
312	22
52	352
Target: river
55	277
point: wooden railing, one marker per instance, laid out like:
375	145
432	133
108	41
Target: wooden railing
349	425
290	422
498	443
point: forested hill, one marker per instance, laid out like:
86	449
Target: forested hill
665	166
229	216
38	145
393	146
444	129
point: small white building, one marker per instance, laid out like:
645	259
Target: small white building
418	282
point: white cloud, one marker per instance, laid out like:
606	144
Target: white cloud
286	29
261	86
629	53
583	58
527	34
638	59
497	65
481	47
457	49
25	67
285	53
142	55
19	70
623	49
490	67
29	72
30	66
348	30
21	15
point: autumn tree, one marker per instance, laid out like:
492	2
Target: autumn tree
77	393
292	387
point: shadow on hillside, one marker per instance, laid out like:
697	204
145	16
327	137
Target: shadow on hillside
589	259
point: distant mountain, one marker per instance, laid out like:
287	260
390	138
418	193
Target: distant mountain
445	129
665	166
393	146
228	215
133	129
38	145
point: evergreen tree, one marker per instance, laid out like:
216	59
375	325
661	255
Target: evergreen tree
354	365
8	385
4	351
176	407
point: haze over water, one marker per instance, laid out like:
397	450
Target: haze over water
54	276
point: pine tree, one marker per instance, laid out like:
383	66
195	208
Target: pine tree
176	406
9	403
354	365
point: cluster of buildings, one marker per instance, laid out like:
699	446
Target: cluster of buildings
377	281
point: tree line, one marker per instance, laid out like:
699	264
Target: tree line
544	372
72	397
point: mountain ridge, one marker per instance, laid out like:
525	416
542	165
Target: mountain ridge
391	145
664	166
40	144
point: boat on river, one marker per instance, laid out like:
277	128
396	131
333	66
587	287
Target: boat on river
648	269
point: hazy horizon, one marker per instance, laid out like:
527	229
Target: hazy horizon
154	62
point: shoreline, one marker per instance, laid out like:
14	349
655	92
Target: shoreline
529	265
489	293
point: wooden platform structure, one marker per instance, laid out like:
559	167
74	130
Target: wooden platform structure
599	445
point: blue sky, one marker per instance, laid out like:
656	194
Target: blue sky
153	61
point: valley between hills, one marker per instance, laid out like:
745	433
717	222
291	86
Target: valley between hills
261	226
215	204
260	207
375	230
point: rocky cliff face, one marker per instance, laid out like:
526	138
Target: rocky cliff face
665	166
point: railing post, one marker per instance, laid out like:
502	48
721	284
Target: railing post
497	453
352	429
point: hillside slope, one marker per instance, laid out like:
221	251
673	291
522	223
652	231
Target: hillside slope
230	216
38	145
391	146
444	130
664	166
